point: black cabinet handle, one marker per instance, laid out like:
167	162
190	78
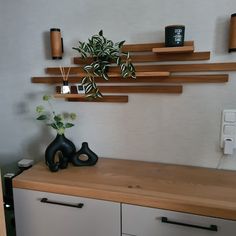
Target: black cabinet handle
45	200
210	228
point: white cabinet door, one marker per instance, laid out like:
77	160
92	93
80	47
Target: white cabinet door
56	215
144	221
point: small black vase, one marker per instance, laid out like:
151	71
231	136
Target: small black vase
65	147
86	151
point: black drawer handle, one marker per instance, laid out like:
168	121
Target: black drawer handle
210	228
45	200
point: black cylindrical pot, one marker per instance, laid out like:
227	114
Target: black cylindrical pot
174	35
86	151
65	147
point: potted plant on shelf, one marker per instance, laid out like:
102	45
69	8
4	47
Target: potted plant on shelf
105	53
61	147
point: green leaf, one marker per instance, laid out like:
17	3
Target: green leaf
88	88
68	125
39	109
121	43
123	67
73	116
105	76
57	118
88	67
101	33
84	80
118	61
46	97
133	75
53	125
61	131
59	124
42	117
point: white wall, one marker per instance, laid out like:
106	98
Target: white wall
182	129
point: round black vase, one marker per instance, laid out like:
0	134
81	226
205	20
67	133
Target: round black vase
65	147
85	150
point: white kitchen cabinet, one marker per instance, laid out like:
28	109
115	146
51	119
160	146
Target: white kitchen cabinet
48	214
144	221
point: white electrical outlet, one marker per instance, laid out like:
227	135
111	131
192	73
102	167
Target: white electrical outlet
228	131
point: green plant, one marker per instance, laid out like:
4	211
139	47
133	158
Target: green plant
52	119
104	53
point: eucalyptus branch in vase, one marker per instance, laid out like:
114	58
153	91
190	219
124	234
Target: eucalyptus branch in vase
58	121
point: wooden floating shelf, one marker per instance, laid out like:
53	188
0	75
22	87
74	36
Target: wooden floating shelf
154	57
148	72
68	95
141	89
106	98
113	73
143	74
184	49
216	78
147	47
129	89
226	66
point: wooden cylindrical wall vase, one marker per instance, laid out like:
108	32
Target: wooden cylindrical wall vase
232	35
56	43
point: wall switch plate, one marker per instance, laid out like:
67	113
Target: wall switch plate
228	128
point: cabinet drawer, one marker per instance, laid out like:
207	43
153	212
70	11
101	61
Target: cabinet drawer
144	221
48	214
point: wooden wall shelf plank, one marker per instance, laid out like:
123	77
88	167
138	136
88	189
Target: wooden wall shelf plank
114	72
141	89
184	49
216	78
106	98
154	57
128	89
147	47
69	95
226	66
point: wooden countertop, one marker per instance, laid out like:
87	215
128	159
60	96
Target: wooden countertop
188	189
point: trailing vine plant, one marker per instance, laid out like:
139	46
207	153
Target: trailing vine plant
105	54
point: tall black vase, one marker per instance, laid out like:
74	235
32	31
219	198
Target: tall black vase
65	150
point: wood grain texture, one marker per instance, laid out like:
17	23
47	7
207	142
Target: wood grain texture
216	78
106	98
183	49
146	47
126	89
226	66
75	97
141	89
2	214
188	189
154	57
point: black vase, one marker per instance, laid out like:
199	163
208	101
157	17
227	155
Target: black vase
88	153
65	150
